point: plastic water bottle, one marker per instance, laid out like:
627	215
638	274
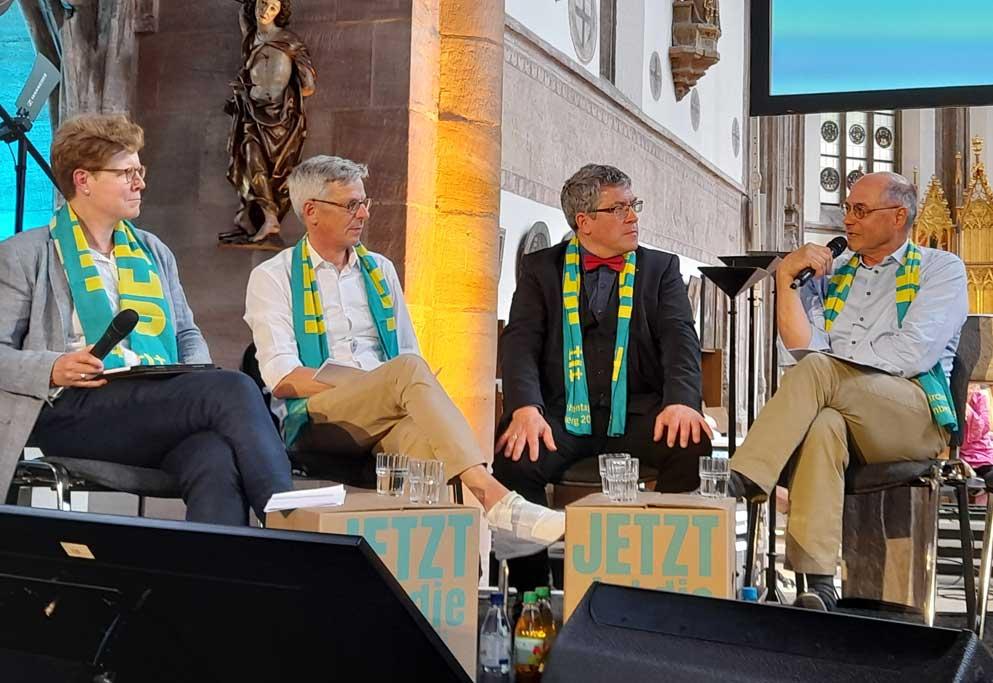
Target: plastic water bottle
750	594
494	642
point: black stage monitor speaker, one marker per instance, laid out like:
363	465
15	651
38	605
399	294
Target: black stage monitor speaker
633	635
107	599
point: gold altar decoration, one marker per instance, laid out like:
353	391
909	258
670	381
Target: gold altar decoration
970	235
976	234
934	226
696	28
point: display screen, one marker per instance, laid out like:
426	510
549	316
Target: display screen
860	54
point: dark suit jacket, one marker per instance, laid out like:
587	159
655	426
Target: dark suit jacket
663	348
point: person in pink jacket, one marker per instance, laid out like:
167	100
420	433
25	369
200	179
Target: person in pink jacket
977	447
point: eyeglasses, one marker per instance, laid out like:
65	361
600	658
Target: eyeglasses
860	211
620	211
128	173
351	207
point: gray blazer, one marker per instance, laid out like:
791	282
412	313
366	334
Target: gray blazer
35	321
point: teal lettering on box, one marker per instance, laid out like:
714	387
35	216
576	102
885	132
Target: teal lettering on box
460	524
616	542
428	569
403	525
647	524
455	607
670	565
372	526
706	524
580	561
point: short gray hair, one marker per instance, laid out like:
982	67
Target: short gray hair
311	177
901	192
581	192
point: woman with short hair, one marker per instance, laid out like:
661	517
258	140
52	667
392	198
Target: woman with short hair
59	289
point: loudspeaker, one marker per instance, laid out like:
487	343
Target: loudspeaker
630	634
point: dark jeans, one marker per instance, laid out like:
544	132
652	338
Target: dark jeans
678	471
210	429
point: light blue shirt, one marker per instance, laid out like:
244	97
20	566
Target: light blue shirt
866	330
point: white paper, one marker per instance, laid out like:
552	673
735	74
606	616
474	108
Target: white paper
329	496
335	373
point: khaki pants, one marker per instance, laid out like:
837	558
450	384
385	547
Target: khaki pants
400	408
824	409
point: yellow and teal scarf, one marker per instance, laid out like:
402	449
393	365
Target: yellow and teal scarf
309	328
908	282
577	410
139	288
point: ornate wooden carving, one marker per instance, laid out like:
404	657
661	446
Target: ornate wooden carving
976	235
696	28
934	227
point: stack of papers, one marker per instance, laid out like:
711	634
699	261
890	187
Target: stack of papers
329	496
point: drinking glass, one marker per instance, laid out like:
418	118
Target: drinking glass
622	476
602	463
714	475
391	473
434	481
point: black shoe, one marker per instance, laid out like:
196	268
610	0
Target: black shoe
740	486
819	598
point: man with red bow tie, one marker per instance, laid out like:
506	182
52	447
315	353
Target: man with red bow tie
600	355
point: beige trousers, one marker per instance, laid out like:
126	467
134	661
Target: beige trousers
400	408
824	409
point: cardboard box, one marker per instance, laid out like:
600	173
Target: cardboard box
673	542
432	550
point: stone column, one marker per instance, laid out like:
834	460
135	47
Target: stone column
454	196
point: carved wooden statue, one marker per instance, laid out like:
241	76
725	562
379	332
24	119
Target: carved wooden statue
269	125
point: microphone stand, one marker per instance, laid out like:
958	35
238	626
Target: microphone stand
16	128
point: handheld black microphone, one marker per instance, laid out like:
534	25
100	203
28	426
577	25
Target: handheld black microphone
837	245
119	328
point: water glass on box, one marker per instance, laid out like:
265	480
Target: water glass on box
391	473
622	476
714	476
427	481
602	463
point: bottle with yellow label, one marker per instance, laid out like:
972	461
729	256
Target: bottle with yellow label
544	595
529	642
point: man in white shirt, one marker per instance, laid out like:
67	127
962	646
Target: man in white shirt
328	297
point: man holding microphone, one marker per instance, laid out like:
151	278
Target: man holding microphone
873	336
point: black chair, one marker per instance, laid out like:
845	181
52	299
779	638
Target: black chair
938	475
350	468
65	475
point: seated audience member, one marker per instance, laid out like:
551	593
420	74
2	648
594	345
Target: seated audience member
977	444
59	289
883	322
600	355
330	297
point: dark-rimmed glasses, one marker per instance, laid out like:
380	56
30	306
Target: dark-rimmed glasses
351	207
620	211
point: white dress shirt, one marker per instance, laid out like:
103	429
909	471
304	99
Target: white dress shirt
351	330
107	267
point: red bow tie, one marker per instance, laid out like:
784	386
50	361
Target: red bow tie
592	262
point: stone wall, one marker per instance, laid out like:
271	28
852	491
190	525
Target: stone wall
556	119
